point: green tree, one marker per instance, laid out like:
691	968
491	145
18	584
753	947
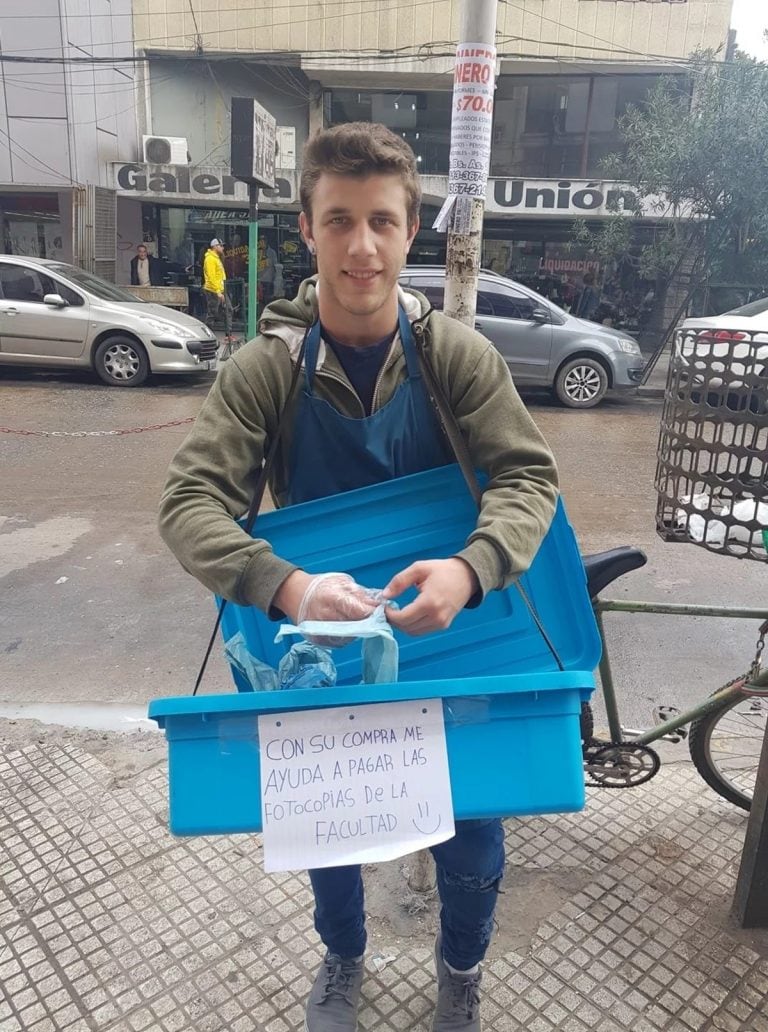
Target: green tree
696	156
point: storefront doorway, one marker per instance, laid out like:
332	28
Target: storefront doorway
181	236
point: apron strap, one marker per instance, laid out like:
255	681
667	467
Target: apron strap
312	350
409	344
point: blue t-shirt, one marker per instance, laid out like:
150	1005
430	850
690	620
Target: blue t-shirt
361	363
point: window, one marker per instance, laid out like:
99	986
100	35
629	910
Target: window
548	126
422	119
506	305
22	284
95	285
432	289
70	296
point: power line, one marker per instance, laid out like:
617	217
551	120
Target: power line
80	89
570	28
331	55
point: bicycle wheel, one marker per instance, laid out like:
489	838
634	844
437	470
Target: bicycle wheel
725	747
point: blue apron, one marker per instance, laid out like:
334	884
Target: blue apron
332	453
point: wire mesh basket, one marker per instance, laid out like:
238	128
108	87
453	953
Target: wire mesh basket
712	470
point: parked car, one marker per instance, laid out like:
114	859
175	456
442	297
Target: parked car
543	345
56	315
735	344
752	317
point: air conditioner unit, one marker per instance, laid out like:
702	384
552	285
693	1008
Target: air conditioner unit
165	150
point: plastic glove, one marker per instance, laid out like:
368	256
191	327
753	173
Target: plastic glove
336	596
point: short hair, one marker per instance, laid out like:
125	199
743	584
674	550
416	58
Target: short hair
359	149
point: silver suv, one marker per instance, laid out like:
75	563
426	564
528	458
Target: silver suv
56	315
543	345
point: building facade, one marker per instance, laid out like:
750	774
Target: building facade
568	70
63	121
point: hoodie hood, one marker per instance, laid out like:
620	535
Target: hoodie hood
290	320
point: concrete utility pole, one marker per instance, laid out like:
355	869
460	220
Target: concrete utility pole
474	82
471	126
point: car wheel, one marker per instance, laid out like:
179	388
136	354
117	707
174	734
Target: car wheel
121	362
581	383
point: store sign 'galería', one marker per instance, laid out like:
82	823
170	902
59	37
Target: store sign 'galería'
193	182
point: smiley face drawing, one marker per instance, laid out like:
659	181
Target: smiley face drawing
424	819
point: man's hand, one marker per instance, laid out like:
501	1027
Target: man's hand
290	593
444	585
330	596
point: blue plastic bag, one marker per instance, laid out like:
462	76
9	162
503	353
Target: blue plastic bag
303	666
380	650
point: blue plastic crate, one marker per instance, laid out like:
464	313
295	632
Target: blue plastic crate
514	745
512	718
375	532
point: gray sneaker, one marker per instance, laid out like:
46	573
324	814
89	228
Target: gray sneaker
458	998
333	999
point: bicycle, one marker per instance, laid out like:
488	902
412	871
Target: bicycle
229	347
726	729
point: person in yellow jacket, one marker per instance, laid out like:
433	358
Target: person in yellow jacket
214	292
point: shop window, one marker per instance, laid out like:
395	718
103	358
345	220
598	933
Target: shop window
31	225
422	119
184	235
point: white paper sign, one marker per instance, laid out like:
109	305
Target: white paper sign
474	83
353	784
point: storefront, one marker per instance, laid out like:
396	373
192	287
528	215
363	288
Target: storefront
528	236
177	210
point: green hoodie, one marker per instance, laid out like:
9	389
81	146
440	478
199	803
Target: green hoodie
212	477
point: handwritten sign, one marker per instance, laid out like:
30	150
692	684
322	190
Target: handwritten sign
354	784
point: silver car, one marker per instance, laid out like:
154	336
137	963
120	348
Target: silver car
543	345
59	316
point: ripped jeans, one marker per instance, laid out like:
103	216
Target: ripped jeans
469	869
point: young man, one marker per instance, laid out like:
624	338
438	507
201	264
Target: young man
362	416
214	292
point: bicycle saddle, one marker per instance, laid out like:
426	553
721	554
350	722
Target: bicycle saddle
605	567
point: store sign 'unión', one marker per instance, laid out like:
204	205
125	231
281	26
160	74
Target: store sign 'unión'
564	196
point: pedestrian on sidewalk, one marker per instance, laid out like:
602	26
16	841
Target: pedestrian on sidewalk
361	416
214	288
146	270
589	298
